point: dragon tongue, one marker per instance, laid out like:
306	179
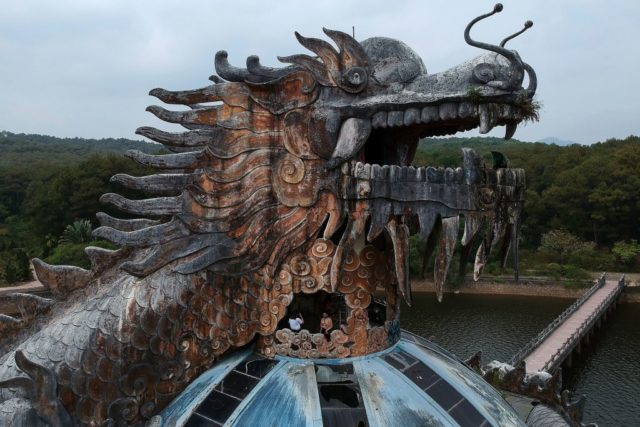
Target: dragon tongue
399	236
353	135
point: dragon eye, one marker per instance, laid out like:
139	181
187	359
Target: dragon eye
355	79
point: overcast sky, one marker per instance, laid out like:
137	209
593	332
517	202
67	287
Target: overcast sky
84	68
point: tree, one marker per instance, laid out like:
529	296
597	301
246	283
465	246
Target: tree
559	244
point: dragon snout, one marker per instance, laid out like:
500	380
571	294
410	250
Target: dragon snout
488	74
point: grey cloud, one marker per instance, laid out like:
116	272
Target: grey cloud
84	68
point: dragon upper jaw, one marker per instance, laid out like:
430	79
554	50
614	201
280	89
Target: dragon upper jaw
470	95
395	131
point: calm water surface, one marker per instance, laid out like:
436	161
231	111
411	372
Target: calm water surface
608	373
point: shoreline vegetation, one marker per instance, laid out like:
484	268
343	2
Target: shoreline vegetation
547	287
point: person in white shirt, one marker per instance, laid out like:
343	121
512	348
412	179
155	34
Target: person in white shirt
296	322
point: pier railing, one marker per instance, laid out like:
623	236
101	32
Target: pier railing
585	327
535	341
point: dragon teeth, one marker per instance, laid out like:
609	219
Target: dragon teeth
429	114
399	236
488	115
353	135
466	109
510	130
411	116
395	119
445	252
379	119
448	111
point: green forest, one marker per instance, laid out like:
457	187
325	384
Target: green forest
582	207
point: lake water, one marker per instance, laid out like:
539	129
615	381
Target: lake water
608	373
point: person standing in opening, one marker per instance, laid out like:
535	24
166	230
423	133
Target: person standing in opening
326	324
295	322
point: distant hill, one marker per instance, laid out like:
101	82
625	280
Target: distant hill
558	141
28	150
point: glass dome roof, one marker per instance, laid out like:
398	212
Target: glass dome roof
413	383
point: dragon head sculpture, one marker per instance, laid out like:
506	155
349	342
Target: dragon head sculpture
288	181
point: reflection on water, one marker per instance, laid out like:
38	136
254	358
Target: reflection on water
609	372
498	325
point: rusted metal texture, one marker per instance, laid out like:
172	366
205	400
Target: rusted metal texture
285	181
414	383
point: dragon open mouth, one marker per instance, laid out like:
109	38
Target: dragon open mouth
391	138
389	194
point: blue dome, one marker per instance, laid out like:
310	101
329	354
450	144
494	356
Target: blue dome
413	383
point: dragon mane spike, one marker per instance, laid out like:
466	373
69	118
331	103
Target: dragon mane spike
210	93
192	139
179	248
60	279
102	259
7	322
315	67
42	388
351	52
30	305
157	234
190	160
198	115
125	224
228	71
323	49
269	73
159	206
527	25
165	184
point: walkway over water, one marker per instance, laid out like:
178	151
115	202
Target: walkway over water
555	343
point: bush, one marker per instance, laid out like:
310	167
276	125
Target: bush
588	257
564	248
626	253
73	253
567	271
14	266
